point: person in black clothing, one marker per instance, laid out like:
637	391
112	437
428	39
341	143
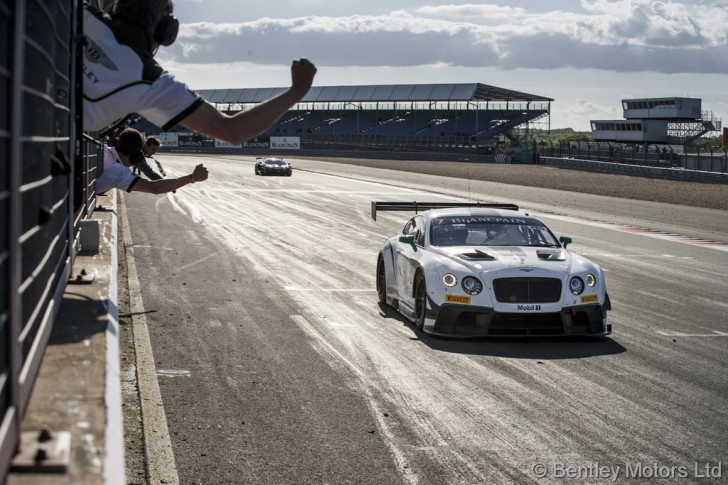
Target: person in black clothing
151	145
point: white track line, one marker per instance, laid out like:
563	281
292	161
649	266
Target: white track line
161	467
641	231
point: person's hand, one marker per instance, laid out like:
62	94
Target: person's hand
302	73
199	173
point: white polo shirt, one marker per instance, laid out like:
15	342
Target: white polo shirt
121	77
116	175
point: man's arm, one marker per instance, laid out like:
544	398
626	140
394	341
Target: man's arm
147	170
163	186
246	125
159	166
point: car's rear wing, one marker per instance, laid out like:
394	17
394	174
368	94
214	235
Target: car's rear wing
423	206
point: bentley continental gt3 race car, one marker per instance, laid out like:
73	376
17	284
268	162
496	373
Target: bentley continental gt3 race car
475	269
273	166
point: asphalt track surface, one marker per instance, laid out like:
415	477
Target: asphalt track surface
277	365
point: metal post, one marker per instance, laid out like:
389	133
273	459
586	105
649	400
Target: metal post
697	157
76	124
12	417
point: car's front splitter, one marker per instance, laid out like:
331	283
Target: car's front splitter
267	172
469	321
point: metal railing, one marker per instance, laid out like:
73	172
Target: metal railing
659	156
637	170
46	188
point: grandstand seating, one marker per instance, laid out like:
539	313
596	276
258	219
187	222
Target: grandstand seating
402	122
483	124
433	114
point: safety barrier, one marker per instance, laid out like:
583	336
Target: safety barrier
660	156
638	170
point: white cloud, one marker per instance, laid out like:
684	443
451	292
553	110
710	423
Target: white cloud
474	11
626	35
662	48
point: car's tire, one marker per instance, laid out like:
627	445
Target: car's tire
381	281
420	290
257	171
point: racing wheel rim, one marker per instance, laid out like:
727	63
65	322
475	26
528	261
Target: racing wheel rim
420	301
381	282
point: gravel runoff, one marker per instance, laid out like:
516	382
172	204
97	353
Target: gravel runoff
695	194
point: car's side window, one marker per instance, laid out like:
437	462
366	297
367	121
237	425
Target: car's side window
419	231
409	228
420	238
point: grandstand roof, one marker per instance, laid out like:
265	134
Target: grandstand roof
375	93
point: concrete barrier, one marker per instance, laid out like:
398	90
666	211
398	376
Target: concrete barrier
638	170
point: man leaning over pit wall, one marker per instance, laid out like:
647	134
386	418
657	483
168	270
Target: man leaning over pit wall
121	77
129	151
151	145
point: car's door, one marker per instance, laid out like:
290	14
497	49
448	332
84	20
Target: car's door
407	255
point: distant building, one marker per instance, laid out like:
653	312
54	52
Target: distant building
673	121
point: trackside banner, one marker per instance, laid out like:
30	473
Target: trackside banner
168	139
285	142
194	141
224	144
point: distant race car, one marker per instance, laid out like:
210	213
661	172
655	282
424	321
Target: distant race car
473	269
273	166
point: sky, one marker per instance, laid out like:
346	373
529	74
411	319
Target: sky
587	55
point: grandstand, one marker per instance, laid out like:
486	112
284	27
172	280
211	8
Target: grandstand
472	113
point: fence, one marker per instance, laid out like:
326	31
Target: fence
662	156
46	189
451	147
637	170
448	143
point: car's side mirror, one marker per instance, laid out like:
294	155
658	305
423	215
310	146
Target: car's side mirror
409	239
565	240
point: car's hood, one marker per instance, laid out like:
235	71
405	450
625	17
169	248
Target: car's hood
489	258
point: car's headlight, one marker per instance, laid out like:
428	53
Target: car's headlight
591	281
450	280
576	285
472	285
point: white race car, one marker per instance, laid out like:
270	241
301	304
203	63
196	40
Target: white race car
474	269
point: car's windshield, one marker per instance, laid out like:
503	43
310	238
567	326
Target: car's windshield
490	231
275	162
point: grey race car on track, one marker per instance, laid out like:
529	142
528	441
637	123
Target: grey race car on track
472	269
273	166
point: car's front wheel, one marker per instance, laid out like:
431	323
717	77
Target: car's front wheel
381	281
257	171
420	300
